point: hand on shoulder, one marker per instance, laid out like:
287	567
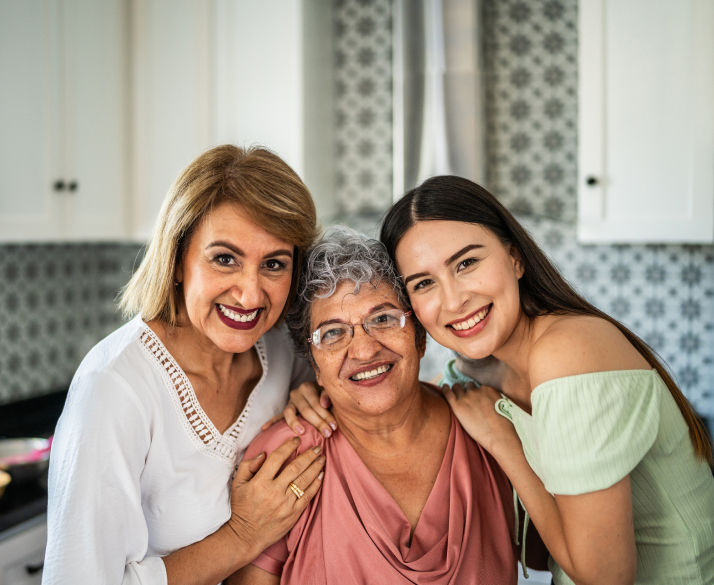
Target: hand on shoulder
270	439
570	345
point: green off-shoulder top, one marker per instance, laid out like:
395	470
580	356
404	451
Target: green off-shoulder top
587	432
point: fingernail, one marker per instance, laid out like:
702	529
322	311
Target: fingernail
260	455
321	475
334	426
327	432
317	450
299	429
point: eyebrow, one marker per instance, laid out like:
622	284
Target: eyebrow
448	261
236	250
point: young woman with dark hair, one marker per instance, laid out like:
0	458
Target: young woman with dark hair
603	449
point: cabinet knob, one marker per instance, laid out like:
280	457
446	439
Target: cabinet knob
591	181
34	569
72	186
58	185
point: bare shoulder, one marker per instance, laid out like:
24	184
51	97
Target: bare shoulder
579	344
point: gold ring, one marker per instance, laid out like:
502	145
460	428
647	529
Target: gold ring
296	490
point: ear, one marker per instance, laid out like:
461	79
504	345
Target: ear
517	261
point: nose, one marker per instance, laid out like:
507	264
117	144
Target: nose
363	346
454	297
247	290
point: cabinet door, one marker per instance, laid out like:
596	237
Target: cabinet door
227	71
95	117
646	121
29	102
173	56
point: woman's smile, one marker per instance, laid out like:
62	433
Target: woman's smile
237	318
371	375
472	324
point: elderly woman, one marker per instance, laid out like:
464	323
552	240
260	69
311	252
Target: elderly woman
159	413
407	496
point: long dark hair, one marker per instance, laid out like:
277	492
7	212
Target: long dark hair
543	290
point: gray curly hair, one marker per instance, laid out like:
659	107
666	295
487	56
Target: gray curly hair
342	254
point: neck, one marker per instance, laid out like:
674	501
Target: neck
389	432
514	355
192	352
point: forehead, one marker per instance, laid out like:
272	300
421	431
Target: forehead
435	241
347	305
229	222
452	231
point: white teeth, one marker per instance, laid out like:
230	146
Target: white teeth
370	373
472	321
237	316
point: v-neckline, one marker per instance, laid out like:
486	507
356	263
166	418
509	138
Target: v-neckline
406	537
197	423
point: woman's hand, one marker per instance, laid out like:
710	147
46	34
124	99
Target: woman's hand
475	409
263	505
307	401
488	371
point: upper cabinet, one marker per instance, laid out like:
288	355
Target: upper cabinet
63	148
228	71
96	128
646	121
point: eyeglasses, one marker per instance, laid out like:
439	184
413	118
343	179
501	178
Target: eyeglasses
334	336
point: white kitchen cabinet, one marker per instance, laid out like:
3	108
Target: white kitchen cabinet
228	71
646	121
63	111
22	552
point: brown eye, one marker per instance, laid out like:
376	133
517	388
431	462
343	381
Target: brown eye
275	265
422	284
468	262
224	259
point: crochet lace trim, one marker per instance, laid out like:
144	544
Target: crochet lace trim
197	421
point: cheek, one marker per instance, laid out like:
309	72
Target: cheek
278	292
426	307
322	370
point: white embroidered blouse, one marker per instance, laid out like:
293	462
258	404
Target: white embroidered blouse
137	468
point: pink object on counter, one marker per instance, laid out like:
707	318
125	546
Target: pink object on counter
29	457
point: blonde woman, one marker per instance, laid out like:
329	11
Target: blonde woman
143	486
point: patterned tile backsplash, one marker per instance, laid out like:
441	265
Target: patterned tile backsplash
57	300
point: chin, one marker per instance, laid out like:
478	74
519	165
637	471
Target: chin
241	345
474	351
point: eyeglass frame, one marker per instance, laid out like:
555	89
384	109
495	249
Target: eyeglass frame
310	340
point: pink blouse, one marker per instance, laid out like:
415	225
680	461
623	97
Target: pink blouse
354	532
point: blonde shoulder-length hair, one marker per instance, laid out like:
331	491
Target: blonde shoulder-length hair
257	180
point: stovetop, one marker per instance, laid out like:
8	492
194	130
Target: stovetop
34	417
